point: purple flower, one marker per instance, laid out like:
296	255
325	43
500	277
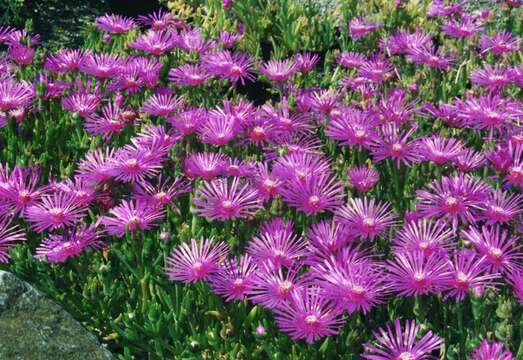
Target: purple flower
305	62
501	250
84	101
94	166
435	58
219	129
402	344
424	236
192	40
278	70
228	39
55	211
239	168
15	94
112	121
66	60
115	24
267	184
22	55
161	104
501	207
366	218
499	43
395	108
132	216
469	160
101	65
189	75
277	245
492	78
188	121
164	192
59	248
395	145
299	166
222	200
353	128
134	163
158	21
308	315
465	27
233	66
82	191
20	189
350	60
363	178
205	165
440	150
326	238
156	42
376	70
403	42
414	273
9	236
491	351
234	279
488	112
359	27
195	262
515	279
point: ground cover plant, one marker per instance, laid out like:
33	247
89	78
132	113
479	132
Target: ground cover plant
302	184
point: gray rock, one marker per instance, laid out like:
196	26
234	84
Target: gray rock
32	327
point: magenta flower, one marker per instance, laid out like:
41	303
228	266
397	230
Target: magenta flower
82	103
267	184
222	200
84	192
465	27
454	199
308	315
132	216
313	194
424	236
414	273
233	66
101	65
234	279
350	60
272	288
219	129
156	42
161	104
228	39
395	108
468	272
376	70
112	121
192	40
285	122
188	75
134	163
59	248
158	21
403	42
14	94
432	57
515	279
278	70
9	236
488	112
19	189
156	136
363	178
499	43
501	207
205	165
300	166
324	101
239	168
353	128
163	192
395	145
21	54
469	160
491	351
402	344
115	24
359	27
188	121
305	62
277	245
66	60
95	165
366	218
327	237
198	261
440	150
150	67
501	250
492	78
55	211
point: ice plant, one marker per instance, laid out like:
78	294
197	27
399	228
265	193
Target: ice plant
363	178
197	261
115	24
234	278
425	236
132	216
278	70
205	165
395	145
491	351
402	343
9	237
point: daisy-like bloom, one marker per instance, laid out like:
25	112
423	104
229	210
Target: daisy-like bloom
446	112
440	150
492	78
403	42
101	65
94	166
228	39
268	185
192	40
189	75
454	199
112	121
395	145
198	261
465	27
366	218
468	272
234	278
438	8
499	43
14	94
305	62
501	207
59	248
135	162
273	287
188	121
6	33
515	279
432	57
66	60
491	351
83	103
359	27
488	112
501	250
205	165
414	273
308	315
130	77
239	168
395	343
9	236
132	216
259	129
161	104
324	100
353	128
222	200
514	169
314	194
425	236
158	21
500	158
350	60
150	67
156	43
278	70
21	54
115	24
326	238
164	192
376	70
469	160
395	108
53	88
363	178
84	192
286	123
233	66
352	287
20	189
55	211
516	75
299	166
219	129
277	245
156	135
